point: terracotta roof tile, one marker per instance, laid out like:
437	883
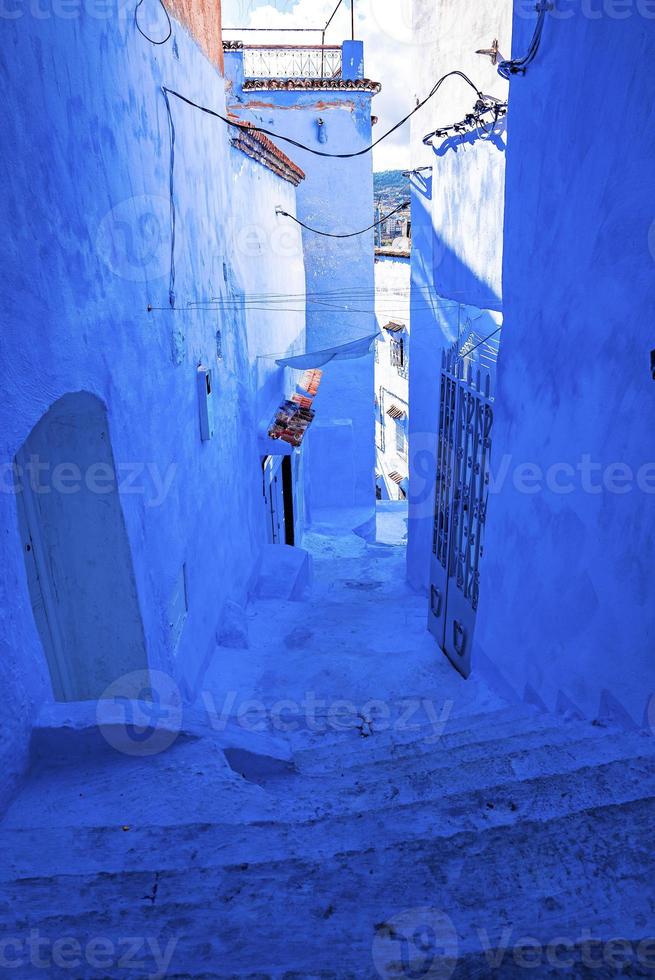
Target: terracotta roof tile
258	146
331	84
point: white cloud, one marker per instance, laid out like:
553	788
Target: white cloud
389	52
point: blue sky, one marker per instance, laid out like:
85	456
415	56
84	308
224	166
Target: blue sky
385	28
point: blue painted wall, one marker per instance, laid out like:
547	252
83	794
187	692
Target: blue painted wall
337	195
568	604
85	220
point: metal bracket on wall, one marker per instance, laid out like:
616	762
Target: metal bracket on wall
492	52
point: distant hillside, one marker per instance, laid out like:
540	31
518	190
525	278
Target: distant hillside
391	188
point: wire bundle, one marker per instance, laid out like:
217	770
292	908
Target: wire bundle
519	66
473	120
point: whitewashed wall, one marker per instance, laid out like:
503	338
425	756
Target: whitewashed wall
457	223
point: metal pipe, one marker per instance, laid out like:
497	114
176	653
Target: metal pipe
323	55
352	18
332	17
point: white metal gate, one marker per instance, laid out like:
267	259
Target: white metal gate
462	486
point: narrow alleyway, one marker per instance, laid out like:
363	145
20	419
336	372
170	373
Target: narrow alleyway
423	835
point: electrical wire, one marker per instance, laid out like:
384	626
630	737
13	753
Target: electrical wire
298	304
519	66
171	198
143	33
351	234
310	149
483	341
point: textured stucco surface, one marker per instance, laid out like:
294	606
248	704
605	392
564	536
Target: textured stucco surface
457	227
568	603
85	215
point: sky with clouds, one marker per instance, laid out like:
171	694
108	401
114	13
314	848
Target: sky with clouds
385	28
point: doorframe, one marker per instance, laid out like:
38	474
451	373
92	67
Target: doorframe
30	526
287	499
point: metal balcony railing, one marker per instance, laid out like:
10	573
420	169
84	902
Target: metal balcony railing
300	61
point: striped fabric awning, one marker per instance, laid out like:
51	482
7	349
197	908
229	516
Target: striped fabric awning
396	477
396	413
394	327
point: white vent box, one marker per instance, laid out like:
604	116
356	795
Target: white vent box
205	403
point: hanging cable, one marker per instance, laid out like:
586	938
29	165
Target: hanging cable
143	33
352	234
466	353
171	197
519	66
322	153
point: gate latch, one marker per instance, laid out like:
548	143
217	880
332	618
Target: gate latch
459	637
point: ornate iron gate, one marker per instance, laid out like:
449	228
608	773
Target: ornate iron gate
462	486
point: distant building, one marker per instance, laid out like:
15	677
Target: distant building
392	281
321	98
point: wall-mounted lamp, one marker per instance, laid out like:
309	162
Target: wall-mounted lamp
322	130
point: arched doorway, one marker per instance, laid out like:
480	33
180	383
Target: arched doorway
77	555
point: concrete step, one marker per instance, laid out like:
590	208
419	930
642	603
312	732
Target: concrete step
33	852
190	781
285	573
467	744
412	780
410	723
336	917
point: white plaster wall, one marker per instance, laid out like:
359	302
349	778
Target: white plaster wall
467	198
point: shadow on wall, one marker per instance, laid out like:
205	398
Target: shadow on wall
482	215
77	555
435	320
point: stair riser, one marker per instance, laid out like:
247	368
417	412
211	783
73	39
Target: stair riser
455	748
356	791
196	847
415	730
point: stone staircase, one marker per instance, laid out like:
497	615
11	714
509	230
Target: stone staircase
512	843
512	825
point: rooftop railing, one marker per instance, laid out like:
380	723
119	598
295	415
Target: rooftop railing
298	61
